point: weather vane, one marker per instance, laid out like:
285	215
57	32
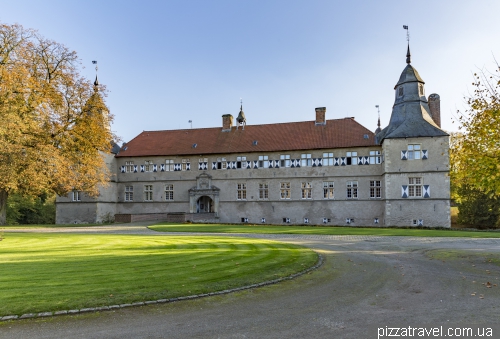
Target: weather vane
407	33
95	63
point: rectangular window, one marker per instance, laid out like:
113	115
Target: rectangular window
148	166
221	163
169	192
285	190
263	161
375	157
328	190
76	196
203	160
414	152
241	162
306	190
415	187
264	191
327	159
351	158
305	160
169	165
375	189
129	193
129	166
185	164
148	192
284	160
242	191
352	190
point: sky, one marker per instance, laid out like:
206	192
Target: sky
168	62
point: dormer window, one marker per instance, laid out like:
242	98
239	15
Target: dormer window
400	91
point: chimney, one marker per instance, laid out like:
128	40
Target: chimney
320	116
435	107
227	122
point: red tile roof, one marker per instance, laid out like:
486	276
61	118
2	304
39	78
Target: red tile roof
290	136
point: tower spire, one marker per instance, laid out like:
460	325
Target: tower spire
96	82
378	123
408	55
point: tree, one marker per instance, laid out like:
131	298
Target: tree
53	122
475	152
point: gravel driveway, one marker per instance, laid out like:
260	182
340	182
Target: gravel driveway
364	283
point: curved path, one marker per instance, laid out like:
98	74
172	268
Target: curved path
365	282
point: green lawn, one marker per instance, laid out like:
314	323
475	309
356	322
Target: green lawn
49	272
415	232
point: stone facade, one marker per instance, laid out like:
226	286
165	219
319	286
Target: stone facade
321	175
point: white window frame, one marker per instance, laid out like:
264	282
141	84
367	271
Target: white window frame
285	190
169	192
328	190
415	187
148	192
169	165
375	189
129	166
414	152
184	164
351	158
148	166
264	191
76	196
305	160
221	163
241	162
129	193
263	161
285	160
375	157
328	159
241	189
306	191
352	189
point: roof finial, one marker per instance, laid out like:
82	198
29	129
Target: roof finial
96	82
378	124
408	55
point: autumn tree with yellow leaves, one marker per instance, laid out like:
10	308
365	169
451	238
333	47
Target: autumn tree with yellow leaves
54	124
475	153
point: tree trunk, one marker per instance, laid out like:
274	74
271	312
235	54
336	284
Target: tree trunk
3	207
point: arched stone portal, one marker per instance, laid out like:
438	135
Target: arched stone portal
204	205
204	194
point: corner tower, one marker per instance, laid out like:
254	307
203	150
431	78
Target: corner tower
411	115
416	166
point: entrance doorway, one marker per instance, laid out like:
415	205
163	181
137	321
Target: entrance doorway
204	205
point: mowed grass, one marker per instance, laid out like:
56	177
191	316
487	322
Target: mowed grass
335	230
50	272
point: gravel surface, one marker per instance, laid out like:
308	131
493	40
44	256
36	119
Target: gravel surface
364	283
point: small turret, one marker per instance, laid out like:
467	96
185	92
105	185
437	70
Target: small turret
241	120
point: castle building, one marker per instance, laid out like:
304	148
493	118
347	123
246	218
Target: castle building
318	172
